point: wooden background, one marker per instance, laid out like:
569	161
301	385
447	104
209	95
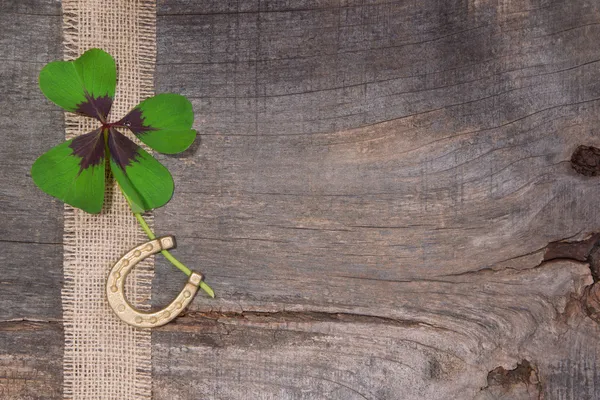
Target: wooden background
381	195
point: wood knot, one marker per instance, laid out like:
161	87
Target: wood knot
524	373
586	160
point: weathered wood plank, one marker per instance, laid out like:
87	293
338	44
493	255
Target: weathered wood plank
31	227
444	349
31	360
31	281
31	339
372	196
380	160
462	196
450	187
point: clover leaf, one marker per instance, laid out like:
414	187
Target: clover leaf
74	171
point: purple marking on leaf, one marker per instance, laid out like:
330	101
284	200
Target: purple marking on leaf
98	107
135	122
90	147
122	150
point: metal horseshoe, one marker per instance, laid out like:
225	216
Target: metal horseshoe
115	287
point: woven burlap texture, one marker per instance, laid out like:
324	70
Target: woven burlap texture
104	358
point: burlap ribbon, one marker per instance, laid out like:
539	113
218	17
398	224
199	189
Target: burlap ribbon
103	357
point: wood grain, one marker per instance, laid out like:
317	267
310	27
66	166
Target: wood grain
31	360
372	196
31	339
31	222
441	348
403	165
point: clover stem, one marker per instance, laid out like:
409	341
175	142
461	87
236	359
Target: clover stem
203	285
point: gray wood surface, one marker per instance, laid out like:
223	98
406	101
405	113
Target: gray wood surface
375	196
31	338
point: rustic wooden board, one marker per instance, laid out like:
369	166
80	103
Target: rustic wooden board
466	327
31	227
372	195
31	360
31	339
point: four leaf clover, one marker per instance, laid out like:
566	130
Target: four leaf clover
74	171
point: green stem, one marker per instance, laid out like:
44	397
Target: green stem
203	285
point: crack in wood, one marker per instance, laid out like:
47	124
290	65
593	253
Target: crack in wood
27	324
587	251
572	250
278	317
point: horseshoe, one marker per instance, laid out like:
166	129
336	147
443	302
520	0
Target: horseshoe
115	287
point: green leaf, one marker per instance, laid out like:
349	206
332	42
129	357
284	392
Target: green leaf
74	171
85	86
146	183
163	122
